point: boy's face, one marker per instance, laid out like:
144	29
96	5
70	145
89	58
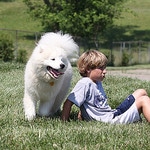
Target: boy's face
97	74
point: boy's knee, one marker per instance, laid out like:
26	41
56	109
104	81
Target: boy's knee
141	92
142	100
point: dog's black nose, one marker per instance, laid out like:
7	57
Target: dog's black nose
62	66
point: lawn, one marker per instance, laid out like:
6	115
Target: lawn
14	15
51	134
130	27
133	26
45	133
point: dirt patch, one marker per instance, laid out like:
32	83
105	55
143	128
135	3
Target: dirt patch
142	74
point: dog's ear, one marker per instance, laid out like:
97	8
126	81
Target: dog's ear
40	48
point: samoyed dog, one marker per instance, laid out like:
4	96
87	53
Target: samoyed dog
48	74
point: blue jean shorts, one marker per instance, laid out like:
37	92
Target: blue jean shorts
124	106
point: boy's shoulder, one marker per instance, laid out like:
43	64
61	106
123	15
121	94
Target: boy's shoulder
85	80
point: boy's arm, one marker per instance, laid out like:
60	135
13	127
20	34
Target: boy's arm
66	110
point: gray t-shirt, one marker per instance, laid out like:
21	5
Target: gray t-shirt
92	100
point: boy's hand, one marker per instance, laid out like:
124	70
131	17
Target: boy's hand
79	116
66	110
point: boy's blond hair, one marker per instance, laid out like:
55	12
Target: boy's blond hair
91	60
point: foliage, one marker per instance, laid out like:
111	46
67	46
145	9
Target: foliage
22	56
86	18
109	56
45	133
6	48
125	59
127	28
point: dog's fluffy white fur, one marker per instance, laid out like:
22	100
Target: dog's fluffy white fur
48	74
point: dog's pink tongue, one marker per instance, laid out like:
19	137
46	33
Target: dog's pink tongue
57	73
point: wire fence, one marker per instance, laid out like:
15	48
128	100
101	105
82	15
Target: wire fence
137	52
22	40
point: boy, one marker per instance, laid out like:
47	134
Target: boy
89	95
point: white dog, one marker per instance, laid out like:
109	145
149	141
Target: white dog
48	74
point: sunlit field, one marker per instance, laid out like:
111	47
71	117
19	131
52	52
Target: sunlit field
52	134
46	133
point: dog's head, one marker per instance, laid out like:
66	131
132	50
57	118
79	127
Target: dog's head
55	67
52	55
50	63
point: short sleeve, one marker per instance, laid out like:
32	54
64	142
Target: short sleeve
79	93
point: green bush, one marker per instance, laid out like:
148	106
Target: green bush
6	48
109	56
125	59
22	56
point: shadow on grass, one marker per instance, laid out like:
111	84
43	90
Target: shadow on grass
57	115
33	36
112	34
126	33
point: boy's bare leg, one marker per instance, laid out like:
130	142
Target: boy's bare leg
139	92
143	106
142	102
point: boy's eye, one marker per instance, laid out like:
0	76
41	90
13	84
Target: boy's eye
102	68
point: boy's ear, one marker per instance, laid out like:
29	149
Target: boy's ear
88	70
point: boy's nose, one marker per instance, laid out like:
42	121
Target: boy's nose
105	71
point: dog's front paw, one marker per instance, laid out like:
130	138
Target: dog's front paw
30	117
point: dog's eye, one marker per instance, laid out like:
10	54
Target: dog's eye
53	59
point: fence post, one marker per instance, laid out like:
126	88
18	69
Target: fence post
149	51
139	50
16	44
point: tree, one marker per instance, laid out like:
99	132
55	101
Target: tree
82	18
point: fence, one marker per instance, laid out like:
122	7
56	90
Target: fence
138	51
22	40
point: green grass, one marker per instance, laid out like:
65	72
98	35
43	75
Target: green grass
45	133
140	18
133	26
13	15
